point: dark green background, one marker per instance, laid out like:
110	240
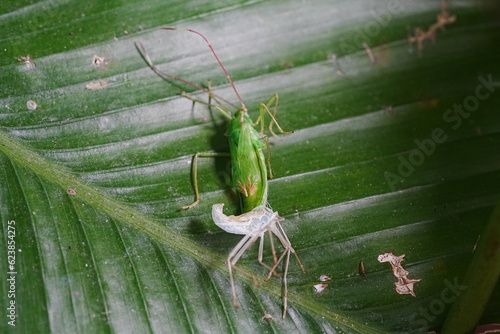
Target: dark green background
119	257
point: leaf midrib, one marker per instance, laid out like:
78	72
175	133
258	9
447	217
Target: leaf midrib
58	175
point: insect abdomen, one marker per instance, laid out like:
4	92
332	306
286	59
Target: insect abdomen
248	164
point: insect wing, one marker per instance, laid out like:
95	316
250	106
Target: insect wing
249	169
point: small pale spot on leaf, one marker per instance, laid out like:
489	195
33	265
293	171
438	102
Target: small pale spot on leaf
96	85
319	287
31	105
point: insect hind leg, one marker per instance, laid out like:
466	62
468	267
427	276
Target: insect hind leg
194	175
219	106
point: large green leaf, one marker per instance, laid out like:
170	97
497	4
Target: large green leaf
381	160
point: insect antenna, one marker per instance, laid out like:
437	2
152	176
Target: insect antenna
228	77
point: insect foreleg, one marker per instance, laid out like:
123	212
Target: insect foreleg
194	174
219	106
265	108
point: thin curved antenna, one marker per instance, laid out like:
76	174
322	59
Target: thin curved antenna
218	60
147	59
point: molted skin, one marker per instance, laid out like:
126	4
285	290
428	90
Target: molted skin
253	225
258	220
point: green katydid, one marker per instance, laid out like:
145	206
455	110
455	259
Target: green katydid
249	175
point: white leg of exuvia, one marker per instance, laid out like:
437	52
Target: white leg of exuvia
273	251
281	235
253	225
234	256
261	253
245	224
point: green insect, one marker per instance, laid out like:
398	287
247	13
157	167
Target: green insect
250	169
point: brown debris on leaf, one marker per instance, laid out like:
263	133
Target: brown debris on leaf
31	105
30	64
361	268
100	62
442	19
319	287
370	54
404	285
324	278
95	85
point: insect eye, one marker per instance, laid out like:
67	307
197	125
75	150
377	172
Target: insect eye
264	219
